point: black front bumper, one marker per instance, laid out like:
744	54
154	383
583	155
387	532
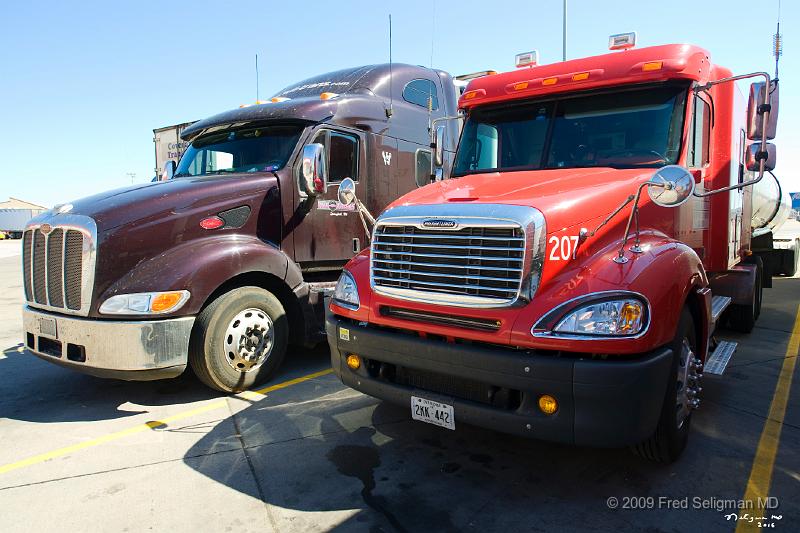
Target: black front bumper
600	403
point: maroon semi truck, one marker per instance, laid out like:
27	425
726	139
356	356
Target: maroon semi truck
225	263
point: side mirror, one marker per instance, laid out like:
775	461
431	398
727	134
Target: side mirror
438	145
670	186
169	170
347	191
312	174
751	157
755	111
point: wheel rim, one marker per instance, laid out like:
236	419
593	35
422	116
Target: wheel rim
249	339
687	387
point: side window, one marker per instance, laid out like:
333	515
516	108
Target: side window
342	157
422	173
421	92
701	134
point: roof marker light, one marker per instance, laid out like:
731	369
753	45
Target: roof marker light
527	59
328	96
474	93
580	76
652	65
549	81
622	41
521	86
278	99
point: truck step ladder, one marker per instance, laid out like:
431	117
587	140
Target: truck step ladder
718	305
720	357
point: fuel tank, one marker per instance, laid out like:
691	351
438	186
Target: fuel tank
771	205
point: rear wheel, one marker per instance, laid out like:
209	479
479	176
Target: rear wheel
239	340
672	431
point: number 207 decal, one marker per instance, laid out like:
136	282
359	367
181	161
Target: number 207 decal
563	248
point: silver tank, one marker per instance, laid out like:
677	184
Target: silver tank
771	205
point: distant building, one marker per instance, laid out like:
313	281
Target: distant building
15	213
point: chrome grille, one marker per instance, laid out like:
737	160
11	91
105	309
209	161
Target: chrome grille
481	255
58	265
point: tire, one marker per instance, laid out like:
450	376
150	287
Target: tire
239	340
743	318
674	423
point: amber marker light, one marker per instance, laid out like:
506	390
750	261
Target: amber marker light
549	81
165	301
327	96
580	76
652	65
547	404
630	316
353	362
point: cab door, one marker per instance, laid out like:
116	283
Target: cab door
330	233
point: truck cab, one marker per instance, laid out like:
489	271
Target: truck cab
565	285
224	262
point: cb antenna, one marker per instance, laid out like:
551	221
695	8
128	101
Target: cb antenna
391	80
777	42
257	98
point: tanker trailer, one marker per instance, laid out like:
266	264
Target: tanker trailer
771	208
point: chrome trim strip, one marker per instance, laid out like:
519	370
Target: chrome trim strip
542	327
67	222
529	219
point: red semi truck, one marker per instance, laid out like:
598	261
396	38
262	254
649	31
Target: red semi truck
567	285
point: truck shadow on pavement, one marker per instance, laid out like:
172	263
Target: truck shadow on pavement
36	391
319	447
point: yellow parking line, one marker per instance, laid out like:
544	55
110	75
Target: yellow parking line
60	452
761	473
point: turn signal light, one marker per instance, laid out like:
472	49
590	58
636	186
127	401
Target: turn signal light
165	301
547	404
353	362
212	223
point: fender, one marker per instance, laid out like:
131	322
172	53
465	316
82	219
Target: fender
667	274
201	266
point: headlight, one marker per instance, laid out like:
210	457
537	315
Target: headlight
614	317
145	303
346	293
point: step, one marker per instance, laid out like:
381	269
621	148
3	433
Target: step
718	305
719	359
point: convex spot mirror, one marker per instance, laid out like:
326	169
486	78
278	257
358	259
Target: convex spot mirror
751	159
169	170
670	186
347	191
755	113
313	177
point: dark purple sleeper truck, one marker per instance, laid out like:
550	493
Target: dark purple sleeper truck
226	263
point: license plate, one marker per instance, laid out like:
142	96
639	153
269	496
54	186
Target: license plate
47	326
438	414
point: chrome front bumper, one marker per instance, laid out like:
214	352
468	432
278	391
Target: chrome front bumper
137	351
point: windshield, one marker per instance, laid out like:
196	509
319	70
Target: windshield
636	128
248	150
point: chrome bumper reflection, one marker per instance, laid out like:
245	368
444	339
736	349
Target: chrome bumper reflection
96	346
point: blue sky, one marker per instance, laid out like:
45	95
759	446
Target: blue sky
84	85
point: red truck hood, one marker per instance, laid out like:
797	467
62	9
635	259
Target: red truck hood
565	196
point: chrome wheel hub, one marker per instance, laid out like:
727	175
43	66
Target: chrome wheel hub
249	339
688	387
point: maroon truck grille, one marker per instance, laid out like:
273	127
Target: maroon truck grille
53	267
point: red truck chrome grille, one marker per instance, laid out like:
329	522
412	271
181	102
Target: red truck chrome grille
58	267
484	263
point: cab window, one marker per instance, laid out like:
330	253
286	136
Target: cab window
420	92
701	134
341	154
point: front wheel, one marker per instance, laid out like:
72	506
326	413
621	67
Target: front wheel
672	431
239	340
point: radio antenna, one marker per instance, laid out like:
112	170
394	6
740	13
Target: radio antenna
433	30
777	42
391	79
257	98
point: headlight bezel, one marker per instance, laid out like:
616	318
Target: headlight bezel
346	278
140	303
546	326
